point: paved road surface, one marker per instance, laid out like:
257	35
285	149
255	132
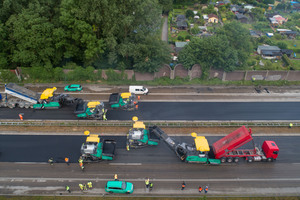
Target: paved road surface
159	163
178	111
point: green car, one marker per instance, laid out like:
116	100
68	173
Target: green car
73	88
119	187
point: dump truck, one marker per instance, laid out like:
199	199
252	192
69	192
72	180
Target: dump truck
95	150
138	137
25	98
124	101
21	96
91	110
227	148
224	150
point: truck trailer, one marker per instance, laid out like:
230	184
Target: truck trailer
224	150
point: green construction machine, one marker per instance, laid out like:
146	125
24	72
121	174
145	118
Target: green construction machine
138	137
124	101
91	110
198	152
96	150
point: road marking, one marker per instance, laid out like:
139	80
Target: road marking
125	163
6	179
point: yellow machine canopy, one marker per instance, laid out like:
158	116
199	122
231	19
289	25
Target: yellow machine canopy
125	95
139	125
93	138
48	93
201	143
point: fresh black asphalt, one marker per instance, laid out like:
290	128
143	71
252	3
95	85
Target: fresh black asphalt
39	148
177	111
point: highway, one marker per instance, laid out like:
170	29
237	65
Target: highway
24	170
178	111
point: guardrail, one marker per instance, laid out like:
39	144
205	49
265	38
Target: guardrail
86	123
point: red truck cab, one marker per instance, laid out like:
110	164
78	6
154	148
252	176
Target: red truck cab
270	149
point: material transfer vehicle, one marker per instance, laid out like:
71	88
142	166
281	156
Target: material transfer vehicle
119	187
73	88
95	150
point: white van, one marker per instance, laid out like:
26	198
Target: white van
138	89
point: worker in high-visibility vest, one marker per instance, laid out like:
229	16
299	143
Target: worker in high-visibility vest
116	177
291	125
67	160
147	182
206	189
81	186
90	184
68	189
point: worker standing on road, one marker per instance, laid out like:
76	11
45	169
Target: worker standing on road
200	189
116	177
206	189
50	161
90	184
68	189
291	125
84	187
81	186
183	185
67	160
151	186
21	117
81	163
253	79
147	182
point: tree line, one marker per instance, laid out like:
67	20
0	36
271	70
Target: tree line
118	34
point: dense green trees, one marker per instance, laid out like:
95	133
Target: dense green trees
227	50
117	34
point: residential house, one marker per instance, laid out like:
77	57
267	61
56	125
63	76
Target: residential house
241	18
180	18
182	25
269	52
181	22
212	18
281	30
179	46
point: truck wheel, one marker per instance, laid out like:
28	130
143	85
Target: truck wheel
250	159
270	159
229	159
127	193
223	160
236	160
110	192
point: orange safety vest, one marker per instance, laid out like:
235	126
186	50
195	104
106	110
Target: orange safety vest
183	185
66	159
21	117
200	189
206	189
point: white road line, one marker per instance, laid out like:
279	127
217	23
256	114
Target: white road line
5	179
125	163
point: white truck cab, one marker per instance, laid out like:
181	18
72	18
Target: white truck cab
137	89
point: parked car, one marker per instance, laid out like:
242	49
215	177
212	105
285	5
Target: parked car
119	187
73	87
